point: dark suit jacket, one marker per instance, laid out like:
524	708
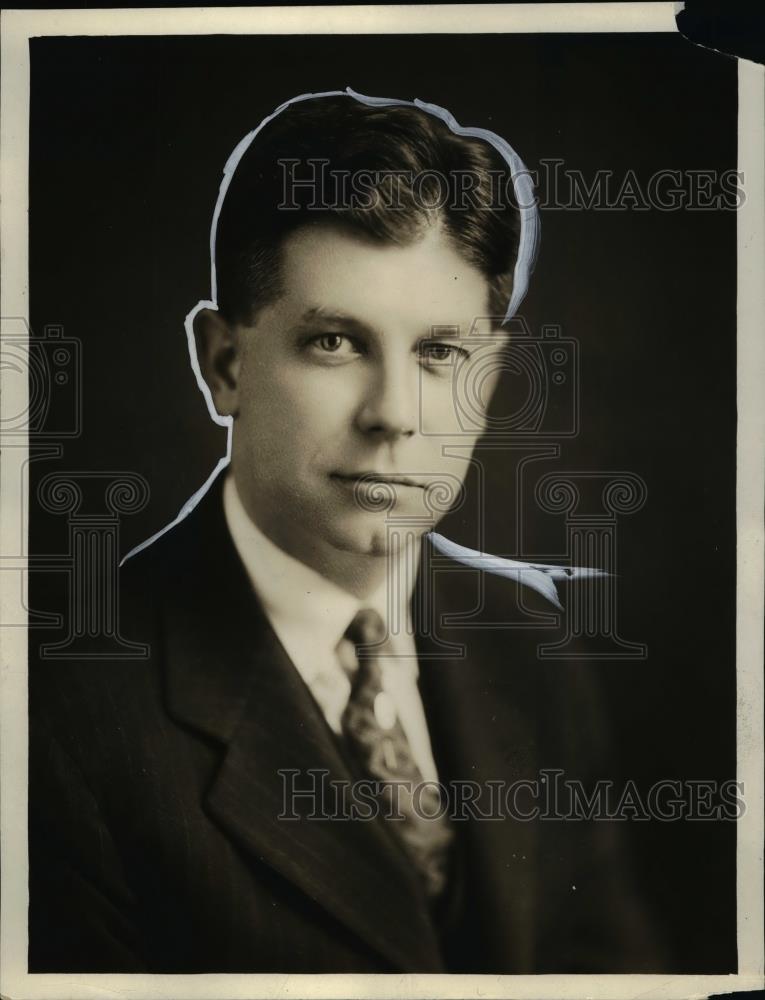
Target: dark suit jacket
155	838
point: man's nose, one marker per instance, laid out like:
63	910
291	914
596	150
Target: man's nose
390	409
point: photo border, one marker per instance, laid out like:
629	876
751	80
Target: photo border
17	28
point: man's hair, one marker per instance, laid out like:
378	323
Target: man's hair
384	173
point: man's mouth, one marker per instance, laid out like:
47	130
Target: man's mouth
372	478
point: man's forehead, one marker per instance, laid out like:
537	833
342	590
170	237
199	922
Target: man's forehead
329	275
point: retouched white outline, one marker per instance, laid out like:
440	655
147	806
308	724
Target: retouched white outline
528	249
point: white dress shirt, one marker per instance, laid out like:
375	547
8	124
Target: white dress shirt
310	615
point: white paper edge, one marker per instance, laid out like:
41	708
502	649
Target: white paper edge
17	28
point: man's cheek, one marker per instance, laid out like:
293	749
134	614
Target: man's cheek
330	404
283	406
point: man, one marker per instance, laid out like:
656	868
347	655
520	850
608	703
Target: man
298	618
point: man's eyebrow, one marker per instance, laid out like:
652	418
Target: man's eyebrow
336	318
345	321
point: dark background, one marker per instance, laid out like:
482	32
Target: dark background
128	140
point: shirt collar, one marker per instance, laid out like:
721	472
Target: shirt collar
297	600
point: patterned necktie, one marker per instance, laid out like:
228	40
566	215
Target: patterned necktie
376	737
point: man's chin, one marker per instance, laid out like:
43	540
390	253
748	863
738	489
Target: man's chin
376	538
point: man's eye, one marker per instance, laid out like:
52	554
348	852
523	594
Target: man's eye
333	343
330	342
437	353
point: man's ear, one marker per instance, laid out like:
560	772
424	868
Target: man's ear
219	359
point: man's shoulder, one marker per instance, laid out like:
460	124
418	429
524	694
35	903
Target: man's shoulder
188	546
99	685
98	708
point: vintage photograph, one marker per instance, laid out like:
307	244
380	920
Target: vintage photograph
379	518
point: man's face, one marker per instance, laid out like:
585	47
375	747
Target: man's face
345	392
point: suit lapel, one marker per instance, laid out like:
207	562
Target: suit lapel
228	677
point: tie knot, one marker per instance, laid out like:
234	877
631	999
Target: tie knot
366	629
